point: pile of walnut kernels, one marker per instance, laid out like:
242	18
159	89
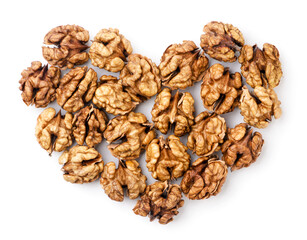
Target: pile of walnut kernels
85	99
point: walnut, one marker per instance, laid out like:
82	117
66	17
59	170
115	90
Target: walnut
38	84
109	50
88	126
128	174
207	134
182	65
70	46
76	88
141	77
220	90
132	133
205	178
242	147
261	67
111	96
177	110
54	132
221	41
167	159
161	200
82	164
258	109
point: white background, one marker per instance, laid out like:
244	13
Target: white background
265	201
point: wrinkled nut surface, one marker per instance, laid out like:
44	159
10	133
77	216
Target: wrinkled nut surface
70	46
182	65
242	146
258	109
88	126
109	50
54	132
261	67
221	41
161	200
82	164
127	175
205	178
167	159
76	88
38	84
207	134
177	111
141	77
132	133
111	96
220	90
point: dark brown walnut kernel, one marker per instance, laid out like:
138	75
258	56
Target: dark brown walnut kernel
82	164
161	200
177	111
205	178
261	67
128	135
182	65
76	88
167	159
221	41
127	175
207	134
54	132
109	50
88	126
70	45
113	97
220	90
259	107
140	76
38	84
242	146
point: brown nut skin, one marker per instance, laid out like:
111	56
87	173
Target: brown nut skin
167	159
258	109
242	146
221	41
82	164
127	175
182	65
177	111
161	200
76	88
54	132
205	178
70	46
220	90
207	134
88	126
141	77
38	84
134	133
113	97
109	50
261	67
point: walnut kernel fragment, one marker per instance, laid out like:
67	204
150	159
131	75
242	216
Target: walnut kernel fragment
167	159
109	50
221	41
38	84
70	46
76	88
82	164
182	65
127	175
205	178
